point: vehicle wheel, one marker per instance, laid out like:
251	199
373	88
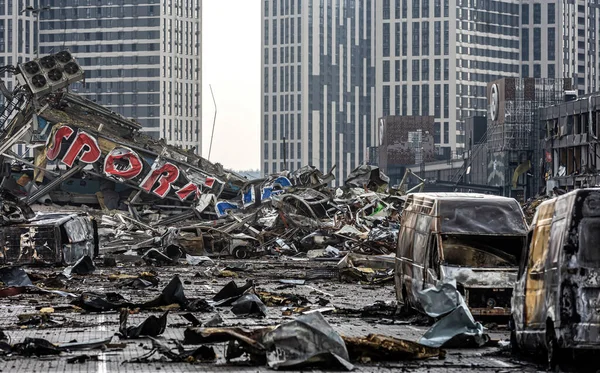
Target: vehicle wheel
552	348
241	253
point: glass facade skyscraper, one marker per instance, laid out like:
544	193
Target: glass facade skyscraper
142	59
318	74
435	57
18	33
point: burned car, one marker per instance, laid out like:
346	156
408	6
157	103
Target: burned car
474	239
50	238
556	302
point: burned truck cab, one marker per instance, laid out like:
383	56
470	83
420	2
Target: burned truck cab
556	302
474	239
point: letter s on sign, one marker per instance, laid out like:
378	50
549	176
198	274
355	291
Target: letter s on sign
84	144
165	175
53	144
123	162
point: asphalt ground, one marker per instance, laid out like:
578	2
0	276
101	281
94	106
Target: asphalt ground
69	324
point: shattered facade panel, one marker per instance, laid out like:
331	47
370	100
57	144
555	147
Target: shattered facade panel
403	141
569	143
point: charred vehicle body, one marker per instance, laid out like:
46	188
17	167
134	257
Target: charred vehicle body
556	302
50	238
475	239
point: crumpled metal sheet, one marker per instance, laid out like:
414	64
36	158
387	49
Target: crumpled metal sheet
14	276
13	209
456	328
367	175
249	304
306	341
83	266
231	292
439	300
387	235
310	176
151	327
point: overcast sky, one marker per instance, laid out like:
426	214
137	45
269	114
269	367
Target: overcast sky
231	64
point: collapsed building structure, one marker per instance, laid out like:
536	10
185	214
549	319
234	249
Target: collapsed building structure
570	143
172	194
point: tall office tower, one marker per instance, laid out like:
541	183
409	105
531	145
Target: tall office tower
559	39
435	57
318	94
541	40
18	35
581	48
142	59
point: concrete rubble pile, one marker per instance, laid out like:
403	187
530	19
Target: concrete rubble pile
153	195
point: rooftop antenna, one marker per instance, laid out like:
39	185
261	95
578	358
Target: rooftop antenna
214	121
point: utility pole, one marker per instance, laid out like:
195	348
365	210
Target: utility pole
36	13
214	122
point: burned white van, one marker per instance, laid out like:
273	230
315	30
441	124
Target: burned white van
475	239
556	304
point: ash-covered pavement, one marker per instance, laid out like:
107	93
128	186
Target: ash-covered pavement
67	323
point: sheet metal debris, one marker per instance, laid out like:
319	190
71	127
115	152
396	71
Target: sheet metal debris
249	305
456	328
151	327
307	341
84	266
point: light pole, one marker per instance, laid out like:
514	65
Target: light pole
36	13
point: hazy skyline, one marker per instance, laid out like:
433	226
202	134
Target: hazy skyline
231	64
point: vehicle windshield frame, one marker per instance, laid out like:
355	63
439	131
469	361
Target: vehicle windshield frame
480	216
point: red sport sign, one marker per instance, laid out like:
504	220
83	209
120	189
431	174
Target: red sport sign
121	163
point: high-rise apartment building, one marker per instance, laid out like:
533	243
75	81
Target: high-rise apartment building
318	74
435	57
559	39
580	49
142	59
18	33
541	39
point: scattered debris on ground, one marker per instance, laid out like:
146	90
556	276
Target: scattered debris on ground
109	232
